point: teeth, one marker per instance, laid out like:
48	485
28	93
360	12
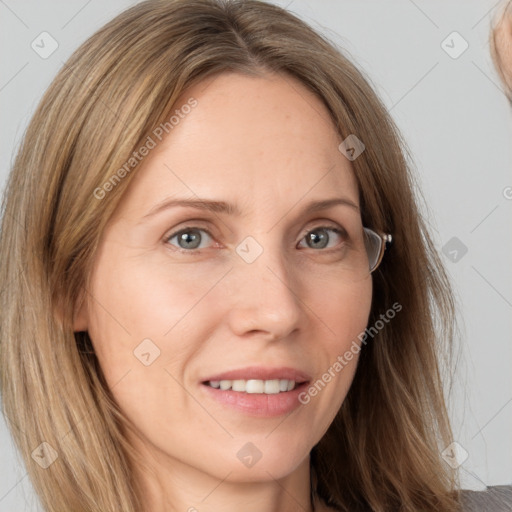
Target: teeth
225	384
238	385
269	387
254	386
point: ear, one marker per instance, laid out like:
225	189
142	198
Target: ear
80	316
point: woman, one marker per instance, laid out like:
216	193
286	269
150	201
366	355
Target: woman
254	370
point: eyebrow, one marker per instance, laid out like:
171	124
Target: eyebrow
232	209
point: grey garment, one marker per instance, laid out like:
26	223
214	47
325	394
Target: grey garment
495	499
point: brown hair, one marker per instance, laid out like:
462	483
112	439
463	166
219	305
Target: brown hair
383	449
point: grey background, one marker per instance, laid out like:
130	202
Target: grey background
457	123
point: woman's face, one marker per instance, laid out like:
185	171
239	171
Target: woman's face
242	291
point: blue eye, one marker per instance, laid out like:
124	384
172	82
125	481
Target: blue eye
319	237
189	238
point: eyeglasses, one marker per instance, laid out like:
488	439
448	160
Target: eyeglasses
363	253
376	244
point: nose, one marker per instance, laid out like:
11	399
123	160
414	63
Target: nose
265	297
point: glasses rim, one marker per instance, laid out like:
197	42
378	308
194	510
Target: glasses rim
385	240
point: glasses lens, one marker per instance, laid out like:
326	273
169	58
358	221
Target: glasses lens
361	256
373	243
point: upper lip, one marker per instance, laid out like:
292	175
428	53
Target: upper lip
262	373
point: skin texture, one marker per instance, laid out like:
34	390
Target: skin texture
268	145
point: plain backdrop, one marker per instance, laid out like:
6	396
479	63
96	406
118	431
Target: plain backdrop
430	63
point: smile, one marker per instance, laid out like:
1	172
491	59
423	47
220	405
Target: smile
268	387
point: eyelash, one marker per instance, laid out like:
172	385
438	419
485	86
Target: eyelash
335	229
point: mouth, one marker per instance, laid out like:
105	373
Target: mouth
257	391
258	380
267	387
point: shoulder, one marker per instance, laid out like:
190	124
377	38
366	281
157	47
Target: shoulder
494	499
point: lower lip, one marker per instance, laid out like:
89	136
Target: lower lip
258	404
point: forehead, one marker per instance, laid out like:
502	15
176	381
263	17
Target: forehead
257	141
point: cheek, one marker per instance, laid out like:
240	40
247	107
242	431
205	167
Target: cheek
126	308
344	312
140	311
134	313
136	299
